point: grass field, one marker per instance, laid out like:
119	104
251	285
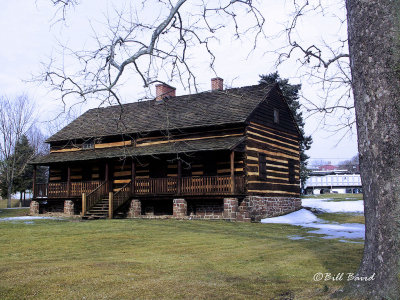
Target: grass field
14	203
148	259
336	197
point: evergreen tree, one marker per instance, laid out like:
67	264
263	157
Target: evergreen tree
291	93
22	180
24	152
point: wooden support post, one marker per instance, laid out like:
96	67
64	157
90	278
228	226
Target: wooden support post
83	204
34	182
69	181
106	179
110	205
179	187
133	177
233	172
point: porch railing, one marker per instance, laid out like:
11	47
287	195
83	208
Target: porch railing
186	186
64	190
156	186
190	186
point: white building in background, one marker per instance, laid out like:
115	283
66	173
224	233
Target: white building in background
334	182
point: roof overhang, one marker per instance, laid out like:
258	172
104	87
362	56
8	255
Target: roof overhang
214	144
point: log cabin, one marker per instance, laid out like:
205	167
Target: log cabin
222	154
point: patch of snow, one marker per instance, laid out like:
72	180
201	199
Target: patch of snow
307	219
15	208
333	207
297	237
300	217
346	231
24	218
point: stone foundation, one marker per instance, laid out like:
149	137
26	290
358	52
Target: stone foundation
251	208
255	208
179	208
69	207
135	209
34	208
209	209
230	208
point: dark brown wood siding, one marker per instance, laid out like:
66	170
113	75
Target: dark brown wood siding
264	114
280	151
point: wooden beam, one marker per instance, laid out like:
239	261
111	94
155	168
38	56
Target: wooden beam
110	205
69	181
115	144
133	177
83	204
34	182
66	150
232	172
106	178
179	176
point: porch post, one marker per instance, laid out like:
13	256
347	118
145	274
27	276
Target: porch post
83	204
179	186
232	172
110	205
69	181
34	182
133	174
107	179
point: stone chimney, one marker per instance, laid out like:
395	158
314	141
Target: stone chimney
217	84
164	90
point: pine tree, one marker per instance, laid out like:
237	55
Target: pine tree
24	152
291	93
23	171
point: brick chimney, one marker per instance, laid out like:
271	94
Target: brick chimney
217	84
164	90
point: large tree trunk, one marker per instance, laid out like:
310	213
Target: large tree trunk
374	33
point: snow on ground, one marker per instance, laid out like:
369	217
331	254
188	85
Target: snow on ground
307	219
332	206
300	217
25	218
15	208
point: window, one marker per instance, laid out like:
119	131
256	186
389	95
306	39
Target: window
292	178
276	116
262	166
89	144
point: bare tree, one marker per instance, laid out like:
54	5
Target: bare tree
150	48
146	48
16	118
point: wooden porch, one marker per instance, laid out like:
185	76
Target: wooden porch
170	186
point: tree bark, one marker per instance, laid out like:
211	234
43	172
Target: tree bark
373	29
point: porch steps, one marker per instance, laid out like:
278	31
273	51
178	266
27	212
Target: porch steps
99	211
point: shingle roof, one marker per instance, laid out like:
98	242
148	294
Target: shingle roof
226	143
195	110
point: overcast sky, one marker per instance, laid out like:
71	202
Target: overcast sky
29	37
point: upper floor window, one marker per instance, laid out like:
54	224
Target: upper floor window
276	116
88	144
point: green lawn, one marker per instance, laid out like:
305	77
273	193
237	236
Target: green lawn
14	203
342	217
127	259
336	197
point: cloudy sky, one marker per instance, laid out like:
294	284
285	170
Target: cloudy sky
30	36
